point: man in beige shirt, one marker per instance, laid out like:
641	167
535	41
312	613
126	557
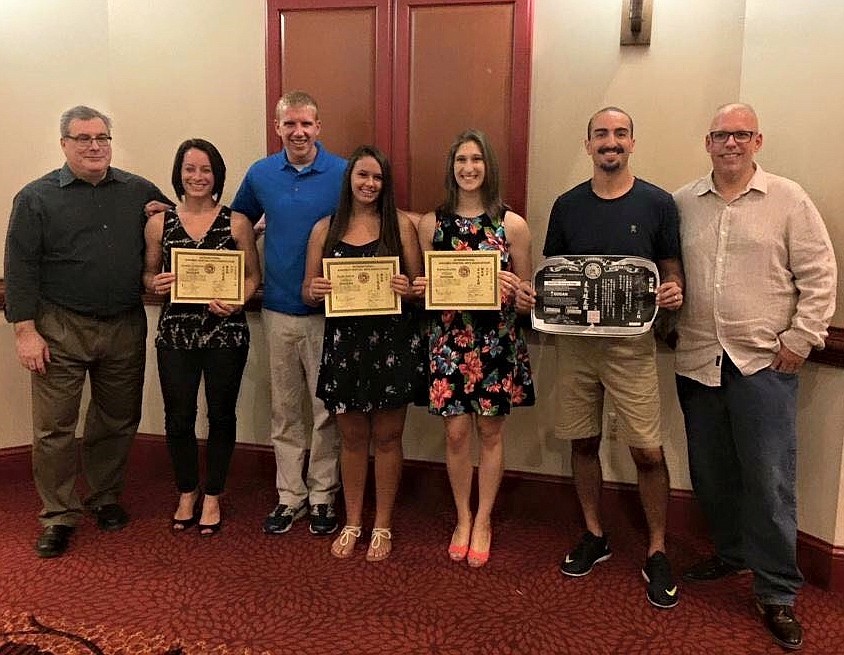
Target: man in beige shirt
760	291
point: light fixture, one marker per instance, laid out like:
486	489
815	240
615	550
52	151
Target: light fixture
636	22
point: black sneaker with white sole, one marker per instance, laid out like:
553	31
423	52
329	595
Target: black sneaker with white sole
662	589
323	519
590	551
281	518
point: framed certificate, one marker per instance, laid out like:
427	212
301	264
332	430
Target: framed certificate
203	275
463	279
607	296
360	286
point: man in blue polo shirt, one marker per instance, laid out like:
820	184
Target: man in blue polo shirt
293	189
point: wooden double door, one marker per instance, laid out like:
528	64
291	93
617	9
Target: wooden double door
408	76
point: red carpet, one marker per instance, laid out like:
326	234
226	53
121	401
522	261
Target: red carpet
247	593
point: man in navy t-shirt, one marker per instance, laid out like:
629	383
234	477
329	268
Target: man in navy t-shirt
615	213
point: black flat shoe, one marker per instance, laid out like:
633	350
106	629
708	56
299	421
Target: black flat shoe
209	530
111	517
782	624
54	540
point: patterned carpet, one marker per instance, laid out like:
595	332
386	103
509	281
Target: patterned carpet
145	590
26	635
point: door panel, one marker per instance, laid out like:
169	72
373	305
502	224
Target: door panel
460	77
460	65
337	52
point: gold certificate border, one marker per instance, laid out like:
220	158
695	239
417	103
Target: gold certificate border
494	261
332	264
181	256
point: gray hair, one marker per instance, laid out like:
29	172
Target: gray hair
81	113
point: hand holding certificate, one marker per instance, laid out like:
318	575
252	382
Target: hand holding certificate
206	275
465	279
360	286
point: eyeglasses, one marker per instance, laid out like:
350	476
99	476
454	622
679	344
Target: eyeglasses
85	140
740	136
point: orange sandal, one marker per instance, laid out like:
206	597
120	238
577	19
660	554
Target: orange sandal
457	552
477	559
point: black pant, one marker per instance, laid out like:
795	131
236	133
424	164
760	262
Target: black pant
179	372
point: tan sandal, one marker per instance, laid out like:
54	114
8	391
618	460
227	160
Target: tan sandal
380	545
344	545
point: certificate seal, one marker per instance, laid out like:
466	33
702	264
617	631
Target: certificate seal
592	270
209	268
363	277
463	271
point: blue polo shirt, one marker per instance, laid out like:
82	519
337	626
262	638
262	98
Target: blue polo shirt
292	201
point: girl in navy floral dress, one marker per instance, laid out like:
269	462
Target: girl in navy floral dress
371	365
478	361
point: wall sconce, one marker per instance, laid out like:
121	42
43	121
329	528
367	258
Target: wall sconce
636	22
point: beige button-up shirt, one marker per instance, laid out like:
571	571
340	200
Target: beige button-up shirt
759	270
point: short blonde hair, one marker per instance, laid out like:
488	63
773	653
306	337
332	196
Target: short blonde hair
295	99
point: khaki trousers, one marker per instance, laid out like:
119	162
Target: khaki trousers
111	352
295	350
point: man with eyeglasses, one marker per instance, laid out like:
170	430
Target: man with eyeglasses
74	255
760	291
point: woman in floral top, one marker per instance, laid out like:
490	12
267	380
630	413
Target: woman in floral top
478	362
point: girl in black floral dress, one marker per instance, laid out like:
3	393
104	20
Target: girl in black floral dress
371	365
478	361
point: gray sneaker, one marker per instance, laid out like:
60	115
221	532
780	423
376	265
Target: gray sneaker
323	519
281	518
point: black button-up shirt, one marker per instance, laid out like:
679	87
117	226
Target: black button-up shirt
77	245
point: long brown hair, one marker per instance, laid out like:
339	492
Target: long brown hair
389	235
490	193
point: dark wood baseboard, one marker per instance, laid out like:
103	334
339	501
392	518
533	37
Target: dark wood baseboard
822	563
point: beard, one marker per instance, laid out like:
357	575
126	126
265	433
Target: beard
613	166
610	167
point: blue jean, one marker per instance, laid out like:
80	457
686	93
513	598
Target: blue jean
742	441
179	372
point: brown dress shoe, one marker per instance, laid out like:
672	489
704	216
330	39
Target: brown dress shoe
782	624
54	540
710	569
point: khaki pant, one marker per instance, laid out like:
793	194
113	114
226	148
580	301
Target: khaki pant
111	352
623	367
295	349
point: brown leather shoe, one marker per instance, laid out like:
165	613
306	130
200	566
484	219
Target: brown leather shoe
782	624
710	569
54	540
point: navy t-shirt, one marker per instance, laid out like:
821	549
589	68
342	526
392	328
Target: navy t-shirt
643	223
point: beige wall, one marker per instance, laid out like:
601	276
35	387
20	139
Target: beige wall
166	71
791	71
